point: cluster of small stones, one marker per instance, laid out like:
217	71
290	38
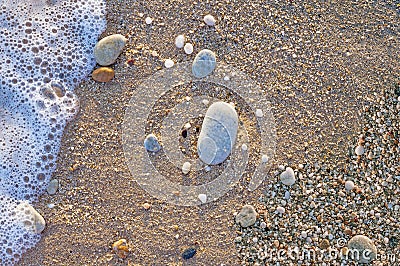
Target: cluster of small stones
326	207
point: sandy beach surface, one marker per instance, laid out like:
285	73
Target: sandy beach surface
319	62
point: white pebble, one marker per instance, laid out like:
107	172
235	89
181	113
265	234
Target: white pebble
188	48
205	102
226	78
280	210
244	147
187	126
209	20
207	168
263	225
349	185
148	20
203	198
259	113
51	205
359	150
264	158
180	41
169	63
186	167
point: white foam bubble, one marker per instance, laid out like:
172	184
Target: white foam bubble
46	50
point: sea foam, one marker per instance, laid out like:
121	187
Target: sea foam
46	49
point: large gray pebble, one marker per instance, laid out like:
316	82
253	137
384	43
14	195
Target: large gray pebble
204	63
218	133
247	216
108	49
366	248
151	143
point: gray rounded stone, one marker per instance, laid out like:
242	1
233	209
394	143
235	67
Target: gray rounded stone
108	49
52	187
151	143
247	216
218	133
364	247
204	63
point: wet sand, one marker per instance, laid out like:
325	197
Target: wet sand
318	63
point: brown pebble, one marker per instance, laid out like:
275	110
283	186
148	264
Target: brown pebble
348	231
324	244
103	74
121	248
146	206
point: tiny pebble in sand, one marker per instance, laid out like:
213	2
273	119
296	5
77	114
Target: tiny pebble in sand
188	48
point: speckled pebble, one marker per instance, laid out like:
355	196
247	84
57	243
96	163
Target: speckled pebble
365	246
247	216
108	49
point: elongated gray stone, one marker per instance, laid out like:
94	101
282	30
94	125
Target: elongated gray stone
218	133
108	49
204	63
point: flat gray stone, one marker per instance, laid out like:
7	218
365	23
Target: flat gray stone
365	248
151	143
204	63
247	216
218	133
108	49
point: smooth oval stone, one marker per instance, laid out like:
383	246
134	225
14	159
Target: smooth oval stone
204	63
218	133
151	143
108	49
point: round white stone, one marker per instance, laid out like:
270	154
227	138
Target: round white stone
359	150
264	158
187	126
186	167
188	48
169	63
244	147
349	185
259	113
202	198
287	177
209	20
148	20
180	41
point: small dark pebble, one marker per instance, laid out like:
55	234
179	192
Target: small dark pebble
184	133
188	253
393	242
